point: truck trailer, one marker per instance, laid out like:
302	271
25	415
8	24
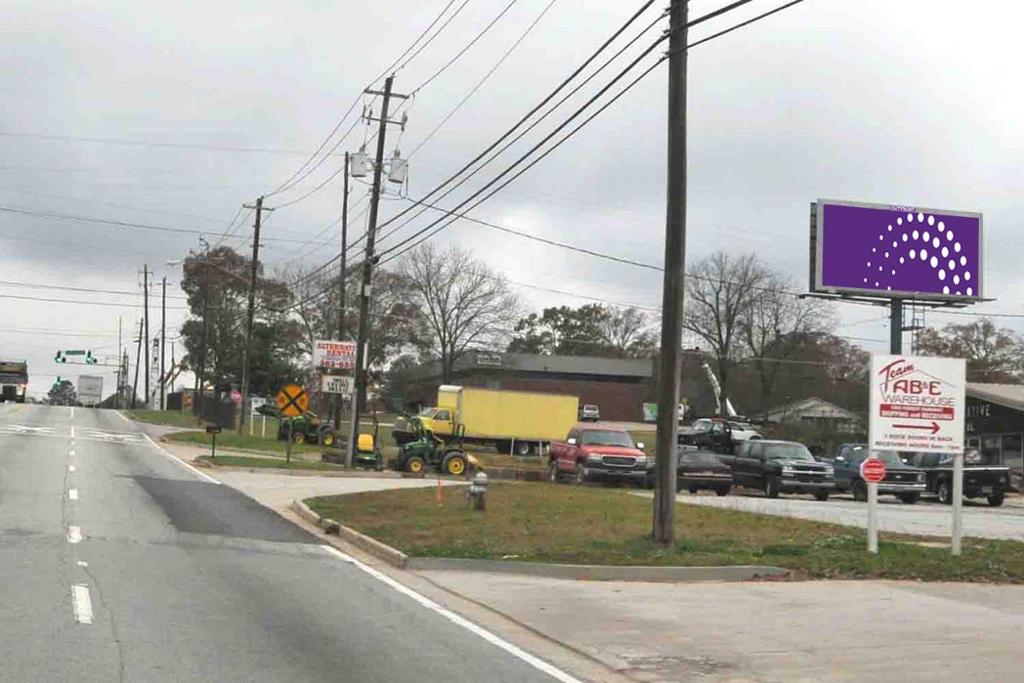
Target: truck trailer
518	422
13	381
90	390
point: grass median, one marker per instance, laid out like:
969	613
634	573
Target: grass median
172	418
590	525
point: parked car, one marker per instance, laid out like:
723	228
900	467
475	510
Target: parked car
778	467
589	413
906	482
598	453
696	470
981	480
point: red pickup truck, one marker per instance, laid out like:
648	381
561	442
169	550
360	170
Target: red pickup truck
596	452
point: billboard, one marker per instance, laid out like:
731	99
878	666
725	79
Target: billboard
896	251
334	355
917	404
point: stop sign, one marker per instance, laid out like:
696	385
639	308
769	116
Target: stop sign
872	470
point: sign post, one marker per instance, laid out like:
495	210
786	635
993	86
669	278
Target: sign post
918	404
872	471
338	356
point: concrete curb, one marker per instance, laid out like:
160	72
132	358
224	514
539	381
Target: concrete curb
581	572
382	551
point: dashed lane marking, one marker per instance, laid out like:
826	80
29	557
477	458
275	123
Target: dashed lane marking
71	468
73	494
74	534
81	603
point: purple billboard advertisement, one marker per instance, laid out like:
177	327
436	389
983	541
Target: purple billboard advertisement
896	251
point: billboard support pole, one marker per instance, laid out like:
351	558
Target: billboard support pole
896	327
873	517
958	502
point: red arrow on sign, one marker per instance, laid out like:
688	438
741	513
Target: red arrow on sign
933	427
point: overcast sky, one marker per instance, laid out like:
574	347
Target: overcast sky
913	102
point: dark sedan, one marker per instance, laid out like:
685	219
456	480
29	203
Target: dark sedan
698	470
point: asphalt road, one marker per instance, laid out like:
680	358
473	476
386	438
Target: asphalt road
119	563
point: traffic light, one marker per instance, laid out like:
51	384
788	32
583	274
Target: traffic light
59	358
89	360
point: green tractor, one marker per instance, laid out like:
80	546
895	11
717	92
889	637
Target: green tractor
427	450
307	428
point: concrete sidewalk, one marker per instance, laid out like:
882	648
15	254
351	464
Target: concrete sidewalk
776	631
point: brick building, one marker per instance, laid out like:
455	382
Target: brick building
619	386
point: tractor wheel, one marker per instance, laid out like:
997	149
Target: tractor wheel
328	439
415	464
455	464
299	437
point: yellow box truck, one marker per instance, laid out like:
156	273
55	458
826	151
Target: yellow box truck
519	422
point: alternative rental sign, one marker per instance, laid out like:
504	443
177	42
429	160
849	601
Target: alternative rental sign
917	404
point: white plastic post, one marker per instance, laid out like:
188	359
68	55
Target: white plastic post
958	502
873	518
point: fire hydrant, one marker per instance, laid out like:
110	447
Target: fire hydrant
478	491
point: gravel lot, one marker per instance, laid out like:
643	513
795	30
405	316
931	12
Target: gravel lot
927	517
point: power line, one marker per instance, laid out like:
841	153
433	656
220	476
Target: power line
480	83
82	303
573	132
589	60
296	177
467	47
56	333
88	290
141	143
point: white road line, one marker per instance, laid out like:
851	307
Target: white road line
515	651
71	468
181	462
74	534
72	413
83	563
71	453
124	417
73	494
81	603
72	431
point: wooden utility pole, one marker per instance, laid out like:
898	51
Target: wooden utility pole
163	342
341	282
369	260
138	362
145	304
251	311
672	288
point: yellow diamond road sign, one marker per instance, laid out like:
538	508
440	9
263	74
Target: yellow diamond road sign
293	400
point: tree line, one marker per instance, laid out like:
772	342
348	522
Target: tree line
746	321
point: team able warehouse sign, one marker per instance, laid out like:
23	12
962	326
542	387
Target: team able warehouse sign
896	251
918	404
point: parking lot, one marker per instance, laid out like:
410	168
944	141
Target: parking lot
926	518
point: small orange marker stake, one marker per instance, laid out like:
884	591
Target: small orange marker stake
440	495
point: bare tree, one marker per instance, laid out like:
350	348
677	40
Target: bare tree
628	332
777	324
463	301
720	291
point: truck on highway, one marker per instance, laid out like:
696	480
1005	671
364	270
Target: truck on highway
517	422
13	381
90	390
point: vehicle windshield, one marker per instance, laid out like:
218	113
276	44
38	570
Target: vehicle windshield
890	458
606	437
787	451
427	410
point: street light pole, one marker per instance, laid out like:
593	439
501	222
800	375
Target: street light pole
341	282
145	305
669	367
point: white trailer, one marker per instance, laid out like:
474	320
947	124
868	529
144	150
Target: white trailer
90	390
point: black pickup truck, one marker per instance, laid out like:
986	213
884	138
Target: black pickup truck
981	480
782	467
